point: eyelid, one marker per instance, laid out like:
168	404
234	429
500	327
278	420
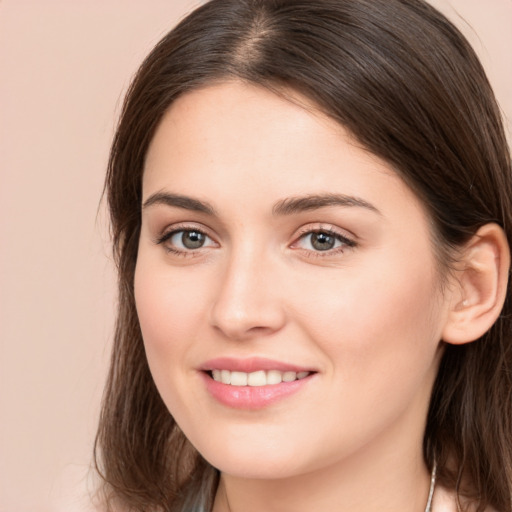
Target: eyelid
317	227
171	230
348	240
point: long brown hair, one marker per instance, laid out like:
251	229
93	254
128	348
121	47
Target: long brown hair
407	85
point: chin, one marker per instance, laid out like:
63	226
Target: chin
253	463
262	469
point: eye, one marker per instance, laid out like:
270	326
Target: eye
186	240
323	241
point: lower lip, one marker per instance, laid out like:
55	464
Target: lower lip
252	397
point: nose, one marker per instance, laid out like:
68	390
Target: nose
248	301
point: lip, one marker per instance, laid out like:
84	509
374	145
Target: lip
252	364
252	397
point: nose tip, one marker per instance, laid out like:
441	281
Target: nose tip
247	304
245	324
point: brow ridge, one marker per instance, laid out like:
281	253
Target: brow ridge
179	201
299	204
287	206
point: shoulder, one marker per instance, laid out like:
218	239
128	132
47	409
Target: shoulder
446	501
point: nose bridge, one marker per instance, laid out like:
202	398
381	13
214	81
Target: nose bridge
247	301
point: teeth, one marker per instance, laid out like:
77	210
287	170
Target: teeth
289	376
239	379
274	377
258	378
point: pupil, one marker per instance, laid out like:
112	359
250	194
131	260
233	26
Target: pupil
322	241
192	239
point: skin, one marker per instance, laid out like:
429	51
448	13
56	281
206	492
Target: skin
367	316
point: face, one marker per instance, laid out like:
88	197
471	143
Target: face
286	287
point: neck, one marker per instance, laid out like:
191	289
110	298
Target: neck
365	484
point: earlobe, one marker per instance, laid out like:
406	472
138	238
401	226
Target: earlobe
481	286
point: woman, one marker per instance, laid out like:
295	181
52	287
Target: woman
311	219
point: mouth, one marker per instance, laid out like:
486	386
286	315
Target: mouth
257	378
254	383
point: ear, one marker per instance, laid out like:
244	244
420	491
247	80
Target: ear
481	286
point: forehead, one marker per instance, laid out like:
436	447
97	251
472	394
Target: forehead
244	144
230	122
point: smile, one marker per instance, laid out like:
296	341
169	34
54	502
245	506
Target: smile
254	383
257	378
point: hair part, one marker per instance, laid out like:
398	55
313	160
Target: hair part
409	88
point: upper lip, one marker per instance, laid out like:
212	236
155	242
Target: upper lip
252	364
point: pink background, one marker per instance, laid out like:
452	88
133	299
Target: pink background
64	68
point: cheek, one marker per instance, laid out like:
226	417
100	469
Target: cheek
169	307
380	334
376	323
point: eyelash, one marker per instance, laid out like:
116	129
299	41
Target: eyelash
161	240
345	241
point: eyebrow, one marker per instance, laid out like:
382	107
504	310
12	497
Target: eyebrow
313	202
179	201
286	206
